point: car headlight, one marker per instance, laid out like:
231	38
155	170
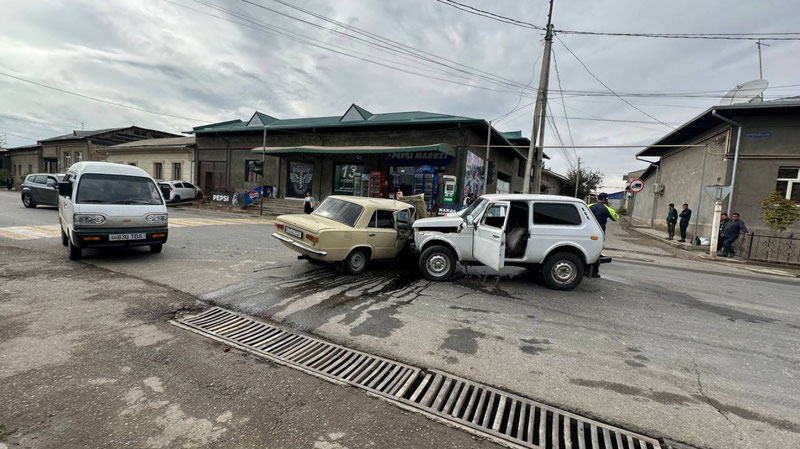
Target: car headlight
88	219
157	218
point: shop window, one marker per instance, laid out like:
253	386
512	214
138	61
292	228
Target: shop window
788	183
158	170
345	178
248	175
176	170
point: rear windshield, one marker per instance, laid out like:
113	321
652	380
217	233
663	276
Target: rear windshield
337	210
117	189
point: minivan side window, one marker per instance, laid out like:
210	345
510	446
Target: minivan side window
560	214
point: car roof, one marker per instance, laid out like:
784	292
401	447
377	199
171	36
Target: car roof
108	168
529	197
45	174
374	203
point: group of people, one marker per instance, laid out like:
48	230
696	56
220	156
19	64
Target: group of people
729	228
672	219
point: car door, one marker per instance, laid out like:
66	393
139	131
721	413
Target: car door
488	240
49	192
382	235
38	188
191	191
403	219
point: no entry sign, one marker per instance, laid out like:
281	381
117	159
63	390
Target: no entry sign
636	185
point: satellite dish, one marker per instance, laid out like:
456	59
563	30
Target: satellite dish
745	92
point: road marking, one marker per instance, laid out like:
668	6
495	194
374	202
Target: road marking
52	231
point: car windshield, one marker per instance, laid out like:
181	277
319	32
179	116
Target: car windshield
475	209
117	189
344	212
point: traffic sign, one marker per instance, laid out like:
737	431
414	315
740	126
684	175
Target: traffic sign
718	193
636	185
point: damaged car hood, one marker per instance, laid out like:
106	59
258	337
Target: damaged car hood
439	222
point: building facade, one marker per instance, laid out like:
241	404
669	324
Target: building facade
166	159
768	160
362	153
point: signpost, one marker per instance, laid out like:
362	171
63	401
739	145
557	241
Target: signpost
718	194
636	185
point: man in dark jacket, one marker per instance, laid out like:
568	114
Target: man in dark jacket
602	212
731	232
723	219
672	219
685	215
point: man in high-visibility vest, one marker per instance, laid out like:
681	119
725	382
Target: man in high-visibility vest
602	211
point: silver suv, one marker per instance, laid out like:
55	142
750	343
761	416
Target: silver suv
556	234
41	188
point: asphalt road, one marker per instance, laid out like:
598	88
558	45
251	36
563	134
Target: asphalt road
699	352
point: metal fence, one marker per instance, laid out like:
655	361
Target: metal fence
769	248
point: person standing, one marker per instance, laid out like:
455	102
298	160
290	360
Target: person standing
602	212
731	232
685	216
9	183
308	203
672	219
723	219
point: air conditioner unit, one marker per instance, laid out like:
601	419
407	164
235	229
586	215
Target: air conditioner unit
658	188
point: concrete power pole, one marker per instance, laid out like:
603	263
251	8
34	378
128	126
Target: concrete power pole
578	178
537	134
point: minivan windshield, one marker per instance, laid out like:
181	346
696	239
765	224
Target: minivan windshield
117	189
342	211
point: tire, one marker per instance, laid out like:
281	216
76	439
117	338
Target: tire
156	248
437	263
562	271
64	236
177	199
75	253
199	195
28	202
356	262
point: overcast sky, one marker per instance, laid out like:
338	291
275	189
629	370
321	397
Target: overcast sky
159	56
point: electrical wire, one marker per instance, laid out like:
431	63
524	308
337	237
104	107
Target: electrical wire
609	89
20	136
564	104
519	100
37	122
490	15
113	103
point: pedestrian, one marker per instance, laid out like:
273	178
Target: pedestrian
308	203
602	212
731	232
685	216
723	219
468	199
672	219
9	183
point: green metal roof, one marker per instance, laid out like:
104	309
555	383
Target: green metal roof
512	134
307	149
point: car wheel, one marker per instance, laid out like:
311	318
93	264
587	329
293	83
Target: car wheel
156	248
64	237
75	253
356	261
199	195
562	271
27	201
437	263
177	199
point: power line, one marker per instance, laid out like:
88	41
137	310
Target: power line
20	136
36	122
68	92
519	100
606	86
564	104
490	15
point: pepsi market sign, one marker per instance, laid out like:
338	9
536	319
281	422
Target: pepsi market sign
419	157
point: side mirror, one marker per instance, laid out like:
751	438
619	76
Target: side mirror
65	188
469	220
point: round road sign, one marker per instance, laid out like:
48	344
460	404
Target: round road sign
636	185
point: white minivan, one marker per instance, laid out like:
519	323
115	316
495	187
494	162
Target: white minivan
102	204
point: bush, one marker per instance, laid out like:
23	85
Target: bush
778	212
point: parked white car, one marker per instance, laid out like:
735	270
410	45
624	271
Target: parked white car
556	234
101	204
182	190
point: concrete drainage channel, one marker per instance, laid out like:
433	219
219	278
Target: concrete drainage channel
501	417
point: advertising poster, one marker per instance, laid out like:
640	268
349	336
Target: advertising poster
299	178
344	178
473	180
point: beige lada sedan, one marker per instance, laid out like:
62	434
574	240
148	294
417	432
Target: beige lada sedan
351	231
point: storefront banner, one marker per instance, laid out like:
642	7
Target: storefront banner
418	157
344	178
473	180
298	180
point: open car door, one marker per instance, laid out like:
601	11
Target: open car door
488	240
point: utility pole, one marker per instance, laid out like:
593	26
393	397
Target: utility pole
486	163
578	177
263	181
760	71
537	134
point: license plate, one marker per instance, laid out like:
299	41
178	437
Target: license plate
123	237
294	232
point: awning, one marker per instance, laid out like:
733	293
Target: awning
312	149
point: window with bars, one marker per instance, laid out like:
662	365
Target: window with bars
788	183
158	170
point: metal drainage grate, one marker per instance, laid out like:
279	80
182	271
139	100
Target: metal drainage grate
505	417
514	418
317	357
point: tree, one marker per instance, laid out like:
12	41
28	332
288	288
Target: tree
589	181
778	212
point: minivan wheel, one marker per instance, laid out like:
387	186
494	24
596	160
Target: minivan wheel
26	200
562	271
437	263
356	261
75	253
156	248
